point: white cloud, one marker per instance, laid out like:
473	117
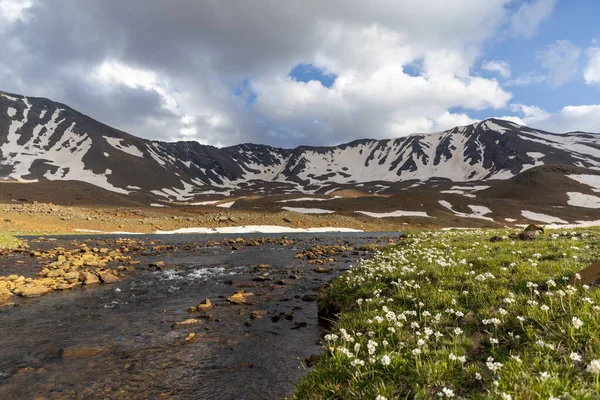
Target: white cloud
168	72
531	114
568	119
13	10
562	61
527	19
500	67
591	72
527	78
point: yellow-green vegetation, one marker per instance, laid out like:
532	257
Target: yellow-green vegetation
453	315
8	241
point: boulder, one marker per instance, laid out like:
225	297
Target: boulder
205	306
55	273
71	277
534	227
87	278
107	277
529	235
33	290
240	297
6	297
589	275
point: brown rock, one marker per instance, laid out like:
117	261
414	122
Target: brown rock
240	297
87	278
191	338
257	314
33	290
64	286
588	275
188	323
107	277
534	227
529	235
205	306
55	273
6	298
71	277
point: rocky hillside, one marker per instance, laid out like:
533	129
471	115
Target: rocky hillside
44	140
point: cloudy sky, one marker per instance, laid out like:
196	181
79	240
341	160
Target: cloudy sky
306	72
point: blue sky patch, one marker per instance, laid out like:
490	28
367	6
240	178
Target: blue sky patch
308	72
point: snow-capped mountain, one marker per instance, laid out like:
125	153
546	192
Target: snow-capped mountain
44	140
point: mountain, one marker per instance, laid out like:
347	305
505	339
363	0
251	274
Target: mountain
41	140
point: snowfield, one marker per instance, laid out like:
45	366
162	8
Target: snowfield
393	214
302	210
257	229
542	217
583	200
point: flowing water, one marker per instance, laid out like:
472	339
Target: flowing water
117	341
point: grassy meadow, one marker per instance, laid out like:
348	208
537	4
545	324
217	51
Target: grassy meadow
8	241
453	315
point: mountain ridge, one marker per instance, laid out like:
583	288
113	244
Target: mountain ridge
44	140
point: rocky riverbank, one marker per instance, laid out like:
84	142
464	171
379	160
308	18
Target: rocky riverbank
223	318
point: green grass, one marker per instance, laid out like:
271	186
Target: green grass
450	314
8	241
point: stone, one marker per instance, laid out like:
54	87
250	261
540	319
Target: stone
87	278
55	273
188	323
107	277
64	286
494	239
534	227
257	314
6	297
191	338
205	306
33	290
309	297
240	297
157	266
529	235
71	277
589	275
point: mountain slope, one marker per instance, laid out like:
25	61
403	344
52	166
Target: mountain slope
43	140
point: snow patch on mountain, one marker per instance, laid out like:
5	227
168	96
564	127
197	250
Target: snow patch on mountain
303	210
257	229
542	217
393	214
117	143
591	180
478	211
583	200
